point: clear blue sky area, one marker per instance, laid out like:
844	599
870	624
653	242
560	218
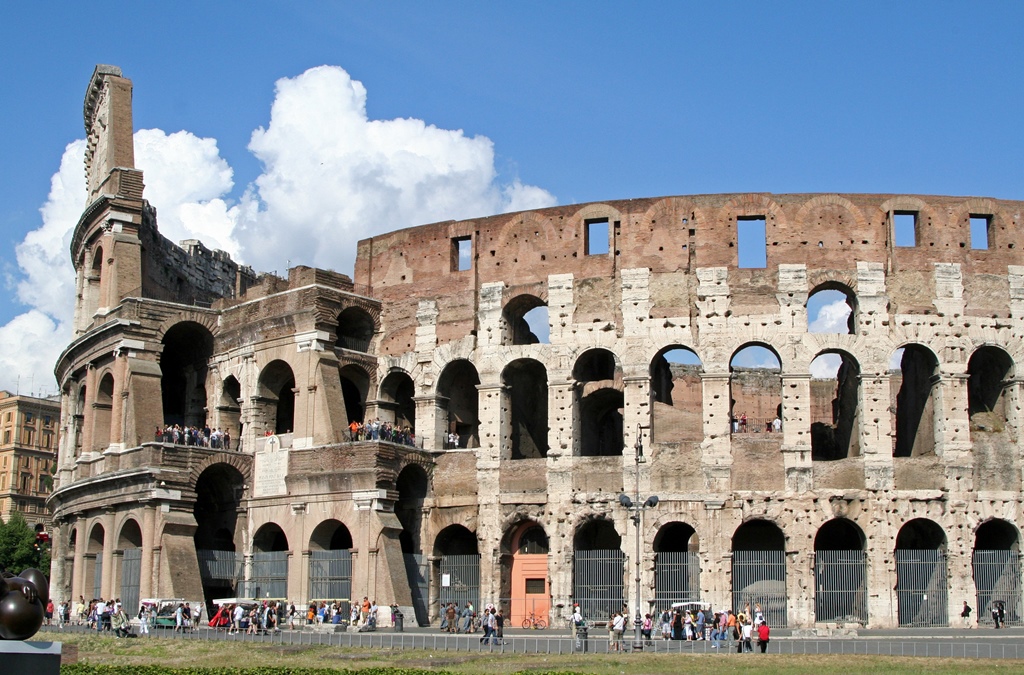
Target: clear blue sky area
587	100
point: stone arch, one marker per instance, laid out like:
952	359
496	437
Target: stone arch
355	388
277	397
759	569
913	388
457	390
520	316
832	292
525	409
989	370
835	221
92	580
103	408
755	388
835	405
925	213
921	579
598	404
677	395
396	402
524	570
413	486
996	568
456	540
356	328
130	534
241	463
330	535
598	567
184	367
676	563
840	572
269	538
220	487
229	409
960	216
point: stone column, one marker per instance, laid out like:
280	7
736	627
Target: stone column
953	431
58	563
109	543
149	543
796	432
716	449
431	420
876	430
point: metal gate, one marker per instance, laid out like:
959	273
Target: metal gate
759	578
597	582
460	580
840	586
269	578
997	576
330	575
131	573
417	571
921	588
97	576
224	567
676	578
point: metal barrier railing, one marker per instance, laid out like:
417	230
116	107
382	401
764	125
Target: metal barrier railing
929	647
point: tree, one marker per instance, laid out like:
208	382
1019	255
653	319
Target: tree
19	549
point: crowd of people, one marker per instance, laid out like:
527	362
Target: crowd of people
376	430
204	437
740	424
466	620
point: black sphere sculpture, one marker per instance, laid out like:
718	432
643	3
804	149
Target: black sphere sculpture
22	602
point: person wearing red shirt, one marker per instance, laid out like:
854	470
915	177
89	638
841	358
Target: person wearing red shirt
762	636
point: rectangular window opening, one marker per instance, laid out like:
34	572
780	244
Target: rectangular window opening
597	236
462	254
752	241
905	228
980	230
536	586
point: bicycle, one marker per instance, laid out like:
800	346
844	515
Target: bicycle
534	621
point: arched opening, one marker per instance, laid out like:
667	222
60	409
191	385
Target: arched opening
526	409
759	570
269	577
412	486
277	397
79	418
599	404
987	374
458	575
996	566
524	572
835	406
102	413
396	400
598	569
526	321
355	329
921	586
184	363
755	390
230	412
219	491
456	390
677	414
69	569
130	573
96	287
831	309
913	386
355	384
330	563
94	560
676	564
840	573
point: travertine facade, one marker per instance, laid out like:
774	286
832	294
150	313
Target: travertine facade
867	502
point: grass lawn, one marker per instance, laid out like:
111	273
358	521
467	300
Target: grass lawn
197	653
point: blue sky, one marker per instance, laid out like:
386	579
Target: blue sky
557	102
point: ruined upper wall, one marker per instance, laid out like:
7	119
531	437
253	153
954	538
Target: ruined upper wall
108	127
829	233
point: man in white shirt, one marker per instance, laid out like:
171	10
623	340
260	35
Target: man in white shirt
236	618
101	610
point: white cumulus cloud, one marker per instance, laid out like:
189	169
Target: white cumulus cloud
330	176
831	318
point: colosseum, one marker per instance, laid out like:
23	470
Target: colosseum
522	379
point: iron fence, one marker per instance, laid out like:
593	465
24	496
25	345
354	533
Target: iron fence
676	577
330	575
219	565
460	580
840	586
97	576
597	582
269	578
921	588
759	577
131	574
997	577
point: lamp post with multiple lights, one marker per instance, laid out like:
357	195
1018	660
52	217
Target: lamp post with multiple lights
636	509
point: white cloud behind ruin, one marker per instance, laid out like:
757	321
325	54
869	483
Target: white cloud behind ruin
330	176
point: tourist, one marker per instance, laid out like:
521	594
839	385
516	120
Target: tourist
144	619
746	632
762	636
965	615
995	613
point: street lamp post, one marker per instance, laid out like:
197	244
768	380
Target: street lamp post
636	509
